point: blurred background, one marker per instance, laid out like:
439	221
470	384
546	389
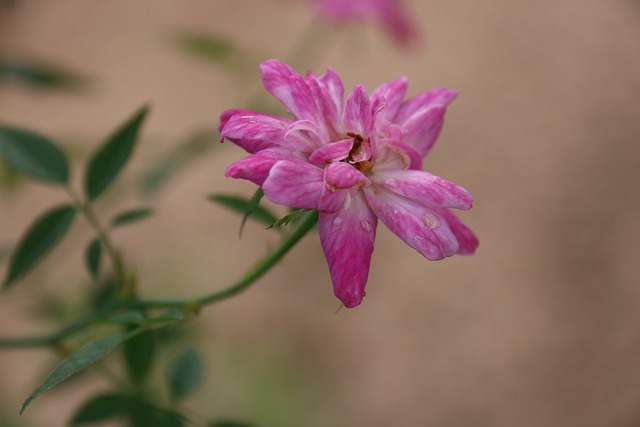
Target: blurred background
540	328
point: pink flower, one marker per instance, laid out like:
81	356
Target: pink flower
355	162
389	13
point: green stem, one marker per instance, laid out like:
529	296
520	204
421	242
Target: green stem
258	270
116	259
263	266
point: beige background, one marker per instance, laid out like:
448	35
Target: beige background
540	328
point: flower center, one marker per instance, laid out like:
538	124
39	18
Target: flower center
360	154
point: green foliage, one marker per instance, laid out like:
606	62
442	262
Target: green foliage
131	216
101	408
248	208
38	75
138	355
230	424
41	236
285	220
169	316
92	257
81	359
184	374
108	161
139	413
33	155
206	46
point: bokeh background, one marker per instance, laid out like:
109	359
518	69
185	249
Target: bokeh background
540	328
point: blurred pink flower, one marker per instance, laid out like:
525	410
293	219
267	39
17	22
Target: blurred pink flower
355	162
389	13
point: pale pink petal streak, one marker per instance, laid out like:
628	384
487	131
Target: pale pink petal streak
357	112
424	188
347	238
254	131
256	167
294	183
393	93
420	227
467	240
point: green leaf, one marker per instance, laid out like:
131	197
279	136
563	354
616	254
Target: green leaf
131	216
37	74
253	204
41	236
101	408
230	424
285	220
184	374
206	46
138	353
242	205
92	257
33	155
84	357
144	414
169	316
127	317
108	161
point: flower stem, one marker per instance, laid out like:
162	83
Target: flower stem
307	222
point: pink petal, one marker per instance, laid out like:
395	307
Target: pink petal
294	183
424	188
332	152
393	93
422	228
467	241
331	97
254	131
339	179
292	90
436	96
422	129
358	113
256	167
303	136
394	155
347	238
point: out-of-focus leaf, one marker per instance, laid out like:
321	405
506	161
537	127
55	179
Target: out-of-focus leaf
178	158
242	205
102	408
131	216
105	292
9	177
81	359
112	406
253	204
41	236
92	257
38	74
108	161
166	317
145	415
230	424
184	374
206	46
138	353
127	317
33	155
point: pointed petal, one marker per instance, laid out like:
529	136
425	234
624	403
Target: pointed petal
291	89
331	96
422	129
303	136
438	96
256	167
294	183
332	152
467	240
394	155
357	112
254	131
422	228
424	188
393	93
347	238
